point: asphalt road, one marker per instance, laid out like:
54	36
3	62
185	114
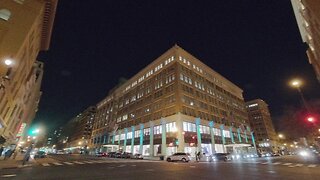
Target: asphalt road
81	167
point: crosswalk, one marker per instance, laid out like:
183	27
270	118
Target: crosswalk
60	163
290	165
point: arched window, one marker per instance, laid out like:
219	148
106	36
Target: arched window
5	14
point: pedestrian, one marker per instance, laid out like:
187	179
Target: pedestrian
198	156
1	150
7	154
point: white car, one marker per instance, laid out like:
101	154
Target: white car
184	157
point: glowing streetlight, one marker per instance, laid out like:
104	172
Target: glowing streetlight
8	62
281	136
296	83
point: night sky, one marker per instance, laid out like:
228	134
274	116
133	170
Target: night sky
255	44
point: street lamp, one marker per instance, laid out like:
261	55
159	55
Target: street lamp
297	83
281	136
8	63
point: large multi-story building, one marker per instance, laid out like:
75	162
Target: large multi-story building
77	133
307	13
25	29
176	103
261	124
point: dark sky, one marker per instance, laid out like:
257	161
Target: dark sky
255	44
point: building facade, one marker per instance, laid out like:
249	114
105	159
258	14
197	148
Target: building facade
175	104
308	19
25	29
77	133
261	124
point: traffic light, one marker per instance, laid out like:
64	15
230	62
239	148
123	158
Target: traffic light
311	119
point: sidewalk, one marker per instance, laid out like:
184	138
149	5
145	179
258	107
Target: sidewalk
14	163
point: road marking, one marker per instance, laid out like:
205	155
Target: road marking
265	163
56	163
299	165
133	165
89	162
149	170
122	165
287	164
8	175
175	163
192	166
69	163
45	164
77	162
312	166
276	163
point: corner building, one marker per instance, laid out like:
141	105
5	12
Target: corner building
25	30
261	124
307	13
175	104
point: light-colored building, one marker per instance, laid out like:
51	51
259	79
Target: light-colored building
261	124
175	104
307	13
25	29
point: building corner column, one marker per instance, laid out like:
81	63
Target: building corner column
213	145
163	137
125	139
198	134
151	139
180	134
132	139
222	137
141	139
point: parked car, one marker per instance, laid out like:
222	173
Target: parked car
101	154
137	156
40	154
184	157
111	154
118	155
221	157
126	155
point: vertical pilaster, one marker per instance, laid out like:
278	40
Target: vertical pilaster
231	134
222	137
253	142
125	139
198	133
141	139
132	139
163	137
213	146
119	133
246	136
239	135
151	139
113	136
180	136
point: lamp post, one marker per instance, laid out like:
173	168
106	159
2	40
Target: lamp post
297	83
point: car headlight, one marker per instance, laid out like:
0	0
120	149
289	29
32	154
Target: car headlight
304	153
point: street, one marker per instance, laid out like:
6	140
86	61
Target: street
86	167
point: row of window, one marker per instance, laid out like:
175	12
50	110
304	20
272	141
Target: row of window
149	73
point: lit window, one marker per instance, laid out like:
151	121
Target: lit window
5	14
